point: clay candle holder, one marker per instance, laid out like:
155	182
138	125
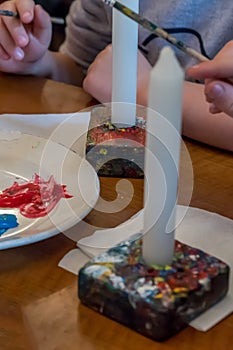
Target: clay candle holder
116	151
156	301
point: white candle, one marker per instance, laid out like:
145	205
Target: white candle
124	66
162	158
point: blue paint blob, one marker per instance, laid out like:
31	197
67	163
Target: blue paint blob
7	221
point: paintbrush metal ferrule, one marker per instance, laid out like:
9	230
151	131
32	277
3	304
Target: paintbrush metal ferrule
109	2
58	20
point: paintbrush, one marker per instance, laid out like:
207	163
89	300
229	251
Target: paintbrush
155	29
54	20
159	32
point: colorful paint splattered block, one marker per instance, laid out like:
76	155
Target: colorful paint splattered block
156	301
117	152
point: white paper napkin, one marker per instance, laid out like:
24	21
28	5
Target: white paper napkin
67	129
207	231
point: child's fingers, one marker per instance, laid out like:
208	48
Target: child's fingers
14	25
8	44
220	94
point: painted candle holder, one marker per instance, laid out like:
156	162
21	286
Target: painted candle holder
156	301
113	151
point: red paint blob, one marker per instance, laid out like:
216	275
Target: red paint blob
35	198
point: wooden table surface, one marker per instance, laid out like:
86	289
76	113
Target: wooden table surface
39	308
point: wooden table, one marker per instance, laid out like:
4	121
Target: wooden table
39	308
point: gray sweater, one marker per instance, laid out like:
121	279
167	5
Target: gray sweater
205	25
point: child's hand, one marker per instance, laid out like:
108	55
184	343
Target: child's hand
216	74
98	81
23	40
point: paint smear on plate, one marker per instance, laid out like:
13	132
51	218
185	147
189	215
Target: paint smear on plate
34	198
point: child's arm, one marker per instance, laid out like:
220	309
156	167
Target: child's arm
199	124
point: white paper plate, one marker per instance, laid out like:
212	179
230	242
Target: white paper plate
26	155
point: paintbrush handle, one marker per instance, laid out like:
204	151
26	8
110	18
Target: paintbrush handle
159	32
54	20
8	13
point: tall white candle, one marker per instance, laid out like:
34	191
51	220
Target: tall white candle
124	65
162	158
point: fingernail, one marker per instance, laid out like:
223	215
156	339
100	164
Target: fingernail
19	54
22	40
196	66
27	16
216	91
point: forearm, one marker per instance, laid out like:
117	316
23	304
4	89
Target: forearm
200	124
